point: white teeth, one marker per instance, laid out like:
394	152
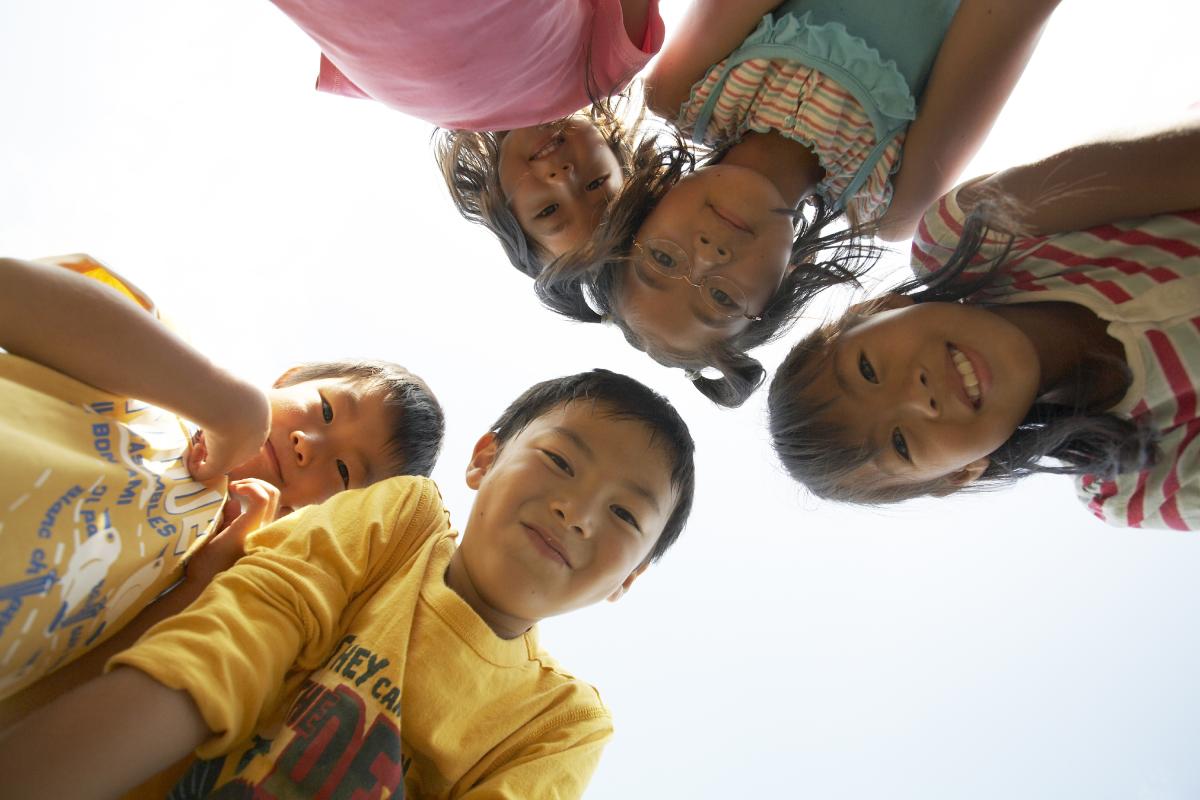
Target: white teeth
548	148
967	373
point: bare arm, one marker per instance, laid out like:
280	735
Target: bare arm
101	739
635	13
84	329
711	30
1101	182
981	58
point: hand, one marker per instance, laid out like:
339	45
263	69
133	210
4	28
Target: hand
218	448
252	504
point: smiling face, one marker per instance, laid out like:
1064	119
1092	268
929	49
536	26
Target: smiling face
932	389
566	515
726	221
557	179
326	435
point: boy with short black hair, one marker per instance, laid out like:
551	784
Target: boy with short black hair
355	648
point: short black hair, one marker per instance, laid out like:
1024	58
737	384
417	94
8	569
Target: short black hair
626	399
417	420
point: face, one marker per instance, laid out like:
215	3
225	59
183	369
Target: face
932	388
725	221
326	435
558	179
567	512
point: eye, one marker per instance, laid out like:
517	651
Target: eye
900	445
662	258
547	211
626	516
559	462
722	298
326	409
597	184
865	368
344	471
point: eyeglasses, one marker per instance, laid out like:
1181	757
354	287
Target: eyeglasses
719	294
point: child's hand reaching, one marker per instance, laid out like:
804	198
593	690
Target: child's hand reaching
252	504
216	449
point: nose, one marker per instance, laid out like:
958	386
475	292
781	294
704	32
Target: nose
304	446
558	170
921	399
574	516
709	252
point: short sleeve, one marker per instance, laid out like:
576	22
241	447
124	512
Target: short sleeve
279	608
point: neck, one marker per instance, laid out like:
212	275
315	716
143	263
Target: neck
1064	336
791	166
506	626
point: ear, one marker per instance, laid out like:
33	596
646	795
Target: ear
885	302
624	587
482	458
965	476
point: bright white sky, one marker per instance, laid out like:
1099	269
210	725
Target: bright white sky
995	646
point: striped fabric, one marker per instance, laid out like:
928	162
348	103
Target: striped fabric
1143	276
806	105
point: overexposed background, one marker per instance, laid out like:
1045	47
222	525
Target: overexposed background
995	646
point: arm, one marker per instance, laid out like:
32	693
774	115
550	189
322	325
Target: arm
711	30
62	751
84	329
635	14
981	58
1097	183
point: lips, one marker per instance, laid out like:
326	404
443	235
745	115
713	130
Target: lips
546	544
552	142
731	219
273	460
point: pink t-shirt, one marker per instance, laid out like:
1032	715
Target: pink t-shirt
475	64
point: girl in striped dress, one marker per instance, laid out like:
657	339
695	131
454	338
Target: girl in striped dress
811	102
1053	326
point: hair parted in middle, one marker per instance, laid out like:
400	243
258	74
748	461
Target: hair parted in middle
1073	439
617	396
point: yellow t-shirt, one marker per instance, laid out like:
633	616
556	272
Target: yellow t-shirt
334	655
96	508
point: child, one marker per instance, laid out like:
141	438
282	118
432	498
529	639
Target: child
98	509
699	268
354	646
1075	352
502	77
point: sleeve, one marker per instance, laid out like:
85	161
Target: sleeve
280	606
614	58
558	763
940	230
1164	495
332	80
89	267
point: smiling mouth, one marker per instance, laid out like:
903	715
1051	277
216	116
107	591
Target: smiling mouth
549	547
556	140
966	374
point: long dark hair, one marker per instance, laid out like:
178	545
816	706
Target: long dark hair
594	271
1074	438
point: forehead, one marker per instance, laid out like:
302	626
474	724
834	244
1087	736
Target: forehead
627	448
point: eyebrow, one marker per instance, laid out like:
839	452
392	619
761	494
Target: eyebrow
584	448
842	383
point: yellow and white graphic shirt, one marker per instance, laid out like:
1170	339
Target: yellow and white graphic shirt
97	508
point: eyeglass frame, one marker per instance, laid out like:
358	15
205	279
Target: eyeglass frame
687	276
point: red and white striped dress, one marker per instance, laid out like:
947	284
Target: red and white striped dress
1143	276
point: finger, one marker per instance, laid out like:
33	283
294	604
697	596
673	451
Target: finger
259	500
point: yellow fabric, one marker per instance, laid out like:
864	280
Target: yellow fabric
96	509
334	654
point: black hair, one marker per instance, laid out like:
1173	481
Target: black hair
417	421
823	258
1074	438
619	397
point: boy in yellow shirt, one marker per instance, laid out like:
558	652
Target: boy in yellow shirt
104	490
356	651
